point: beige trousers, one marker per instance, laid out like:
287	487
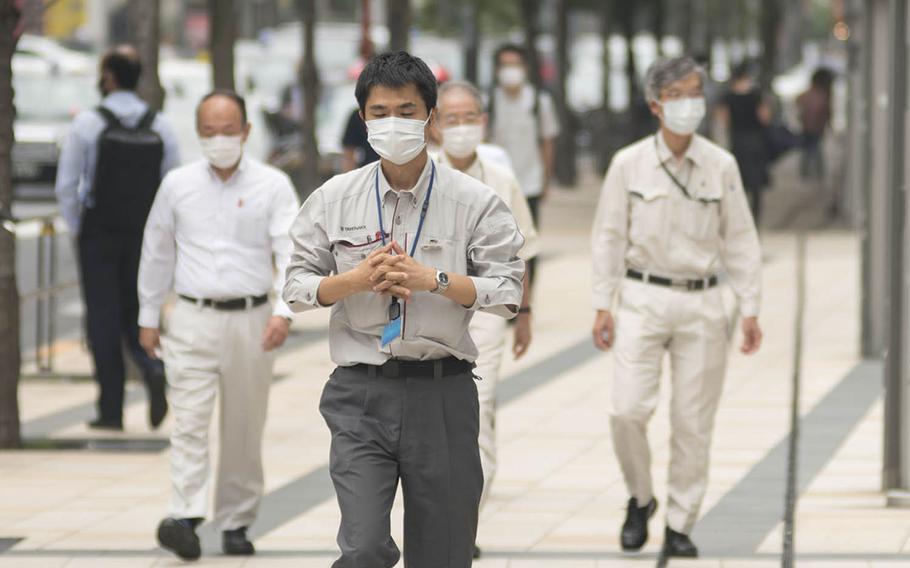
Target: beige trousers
209	352
692	328
489	334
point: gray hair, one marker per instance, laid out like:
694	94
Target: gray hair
454	84
667	70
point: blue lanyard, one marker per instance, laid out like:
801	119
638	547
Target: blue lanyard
423	210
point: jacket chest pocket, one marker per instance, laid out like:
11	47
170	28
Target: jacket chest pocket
647	211
445	254
699	217
366	311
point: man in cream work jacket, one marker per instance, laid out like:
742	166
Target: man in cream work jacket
672	218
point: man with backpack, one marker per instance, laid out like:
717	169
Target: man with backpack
523	120
111	165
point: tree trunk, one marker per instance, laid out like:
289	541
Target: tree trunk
657	24
698	42
529	12
398	20
367	49
564	167
222	33
794	26
144	20
470	39
628	30
9	294
684	11
770	34
606	13
309	85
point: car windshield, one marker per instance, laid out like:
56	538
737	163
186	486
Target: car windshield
53	98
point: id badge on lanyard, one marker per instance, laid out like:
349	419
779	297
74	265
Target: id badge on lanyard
393	329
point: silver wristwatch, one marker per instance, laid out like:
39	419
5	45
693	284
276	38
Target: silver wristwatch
442	282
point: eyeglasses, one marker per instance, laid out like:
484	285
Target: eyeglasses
457	120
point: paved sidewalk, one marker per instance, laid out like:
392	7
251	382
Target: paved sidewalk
558	498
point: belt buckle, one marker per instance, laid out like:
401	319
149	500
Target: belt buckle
249	302
391	369
693	285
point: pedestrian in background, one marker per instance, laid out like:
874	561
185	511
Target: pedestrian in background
405	251
217	234
747	117
672	217
462	124
111	164
523	120
814	107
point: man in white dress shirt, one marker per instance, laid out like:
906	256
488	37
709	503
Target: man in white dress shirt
217	234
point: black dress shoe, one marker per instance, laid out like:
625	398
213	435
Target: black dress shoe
105	424
179	536
154	383
679	545
635	529
476	552
235	543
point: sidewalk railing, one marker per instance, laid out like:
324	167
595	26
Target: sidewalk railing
47	289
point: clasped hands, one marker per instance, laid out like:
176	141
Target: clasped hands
390	271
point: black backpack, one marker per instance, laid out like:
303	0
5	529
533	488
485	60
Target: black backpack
127	173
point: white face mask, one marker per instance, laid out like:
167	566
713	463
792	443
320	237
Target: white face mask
683	116
398	140
223	152
461	141
511	76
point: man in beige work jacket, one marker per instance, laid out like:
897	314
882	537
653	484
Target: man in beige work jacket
672	220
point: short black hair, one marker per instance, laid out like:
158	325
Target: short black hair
125	69
510	48
823	77
227	93
396	69
743	70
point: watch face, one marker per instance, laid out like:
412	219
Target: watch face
443	278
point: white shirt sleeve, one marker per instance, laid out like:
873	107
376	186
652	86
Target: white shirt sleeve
549	121
284	209
159	256
610	236
742	249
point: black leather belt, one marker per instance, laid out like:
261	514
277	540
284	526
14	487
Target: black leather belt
397	368
231	305
691	285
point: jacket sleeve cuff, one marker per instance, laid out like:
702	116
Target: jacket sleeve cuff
748	308
150	316
494	298
301	294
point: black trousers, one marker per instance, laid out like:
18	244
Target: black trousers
534	206
421	432
109	269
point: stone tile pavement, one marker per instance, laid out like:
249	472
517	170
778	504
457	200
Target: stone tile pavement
558	497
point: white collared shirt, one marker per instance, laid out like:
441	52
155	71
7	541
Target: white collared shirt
505	184
468	230
644	221
217	239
